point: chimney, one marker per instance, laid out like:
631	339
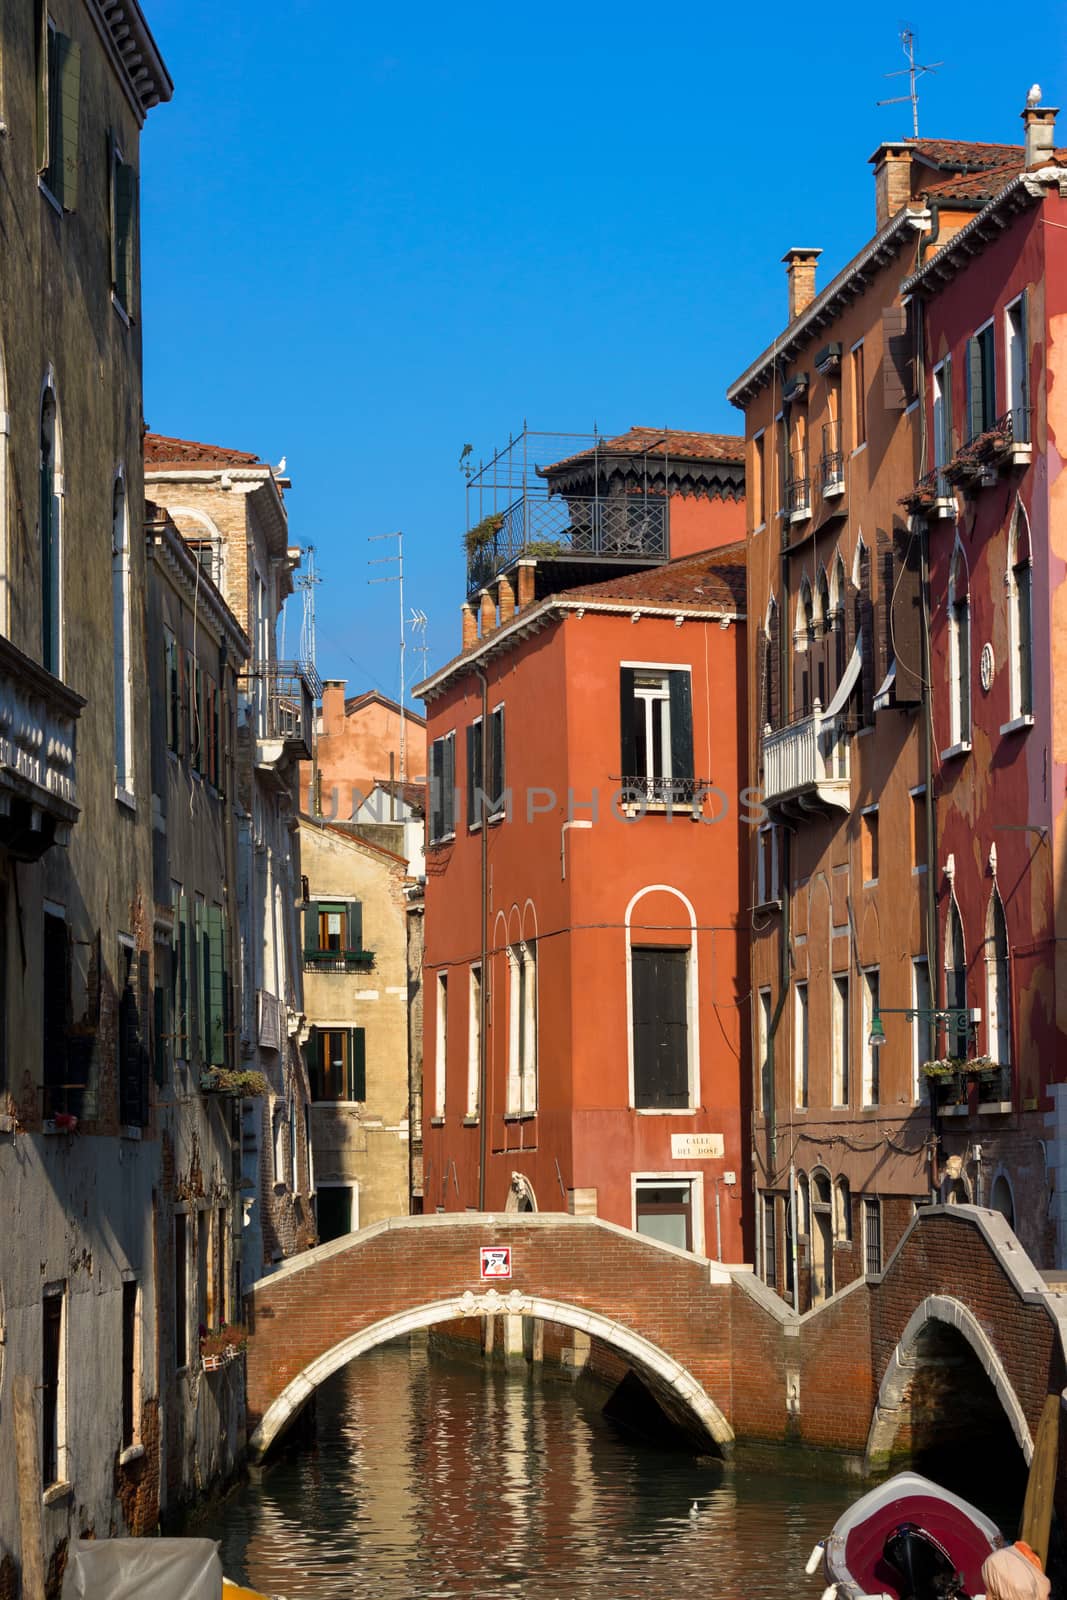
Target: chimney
470	626
487	611
505	599
892	180
333	705
800	270
527	584
1040	125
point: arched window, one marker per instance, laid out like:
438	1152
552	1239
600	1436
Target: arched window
956	980
803	638
838	601
842	1212
1001	1198
771	708
822	626
50	530
959	651
1019	582
121	638
998	984
803	1206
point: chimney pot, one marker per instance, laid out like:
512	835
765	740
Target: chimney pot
800	270
1040	125
470	626
487	611
333	705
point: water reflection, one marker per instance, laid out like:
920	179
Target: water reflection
431	1479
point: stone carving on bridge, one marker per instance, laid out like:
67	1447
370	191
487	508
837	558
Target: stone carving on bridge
491	1302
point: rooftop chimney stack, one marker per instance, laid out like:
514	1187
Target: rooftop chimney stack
1040	124
800	270
892	180
333	705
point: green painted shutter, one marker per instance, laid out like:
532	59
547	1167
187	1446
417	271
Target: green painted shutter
628	745
311	927
946	406
41	142
216	988
436	796
357	1055
69	74
125	191
448	796
182	1028
474	738
355	925
974	388
681	727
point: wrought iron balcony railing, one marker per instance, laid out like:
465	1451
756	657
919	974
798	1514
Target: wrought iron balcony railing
283	695
683	793
832	461
808	762
624	527
798	487
338	960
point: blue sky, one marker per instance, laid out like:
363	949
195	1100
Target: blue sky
370	240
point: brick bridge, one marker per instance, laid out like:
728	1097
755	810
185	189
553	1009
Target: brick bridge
959	1327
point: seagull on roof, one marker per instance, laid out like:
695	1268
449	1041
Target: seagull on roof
280	468
1034	97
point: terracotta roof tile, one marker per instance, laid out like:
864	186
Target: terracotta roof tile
161	451
673	443
961	155
972	188
714	578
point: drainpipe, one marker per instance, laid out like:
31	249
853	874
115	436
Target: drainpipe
926	668
483	1074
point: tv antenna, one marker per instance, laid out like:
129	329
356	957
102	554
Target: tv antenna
396	577
417	622
913	71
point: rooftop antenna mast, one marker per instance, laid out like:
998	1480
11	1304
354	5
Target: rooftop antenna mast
913	70
398	578
307	582
417	622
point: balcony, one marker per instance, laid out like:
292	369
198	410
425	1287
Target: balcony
283	695
998	448
338	960
932	497
806	765
798	488
38	718
614	528
832	462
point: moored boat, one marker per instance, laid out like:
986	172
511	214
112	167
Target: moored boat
908	1539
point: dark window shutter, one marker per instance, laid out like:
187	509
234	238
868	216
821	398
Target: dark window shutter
660	1023
159	1034
974	388
355	925
762	665
1022	423
436	797
774	669
216	990
884	626
357	1055
42	86
311	925
865	635
69	61
449	784
907	618
628	747
125	192
497	783
474	774
894	358
681	727
946	406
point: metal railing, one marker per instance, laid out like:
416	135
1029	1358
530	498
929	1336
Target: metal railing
623	527
832	460
798	485
286	705
805	756
338	960
645	791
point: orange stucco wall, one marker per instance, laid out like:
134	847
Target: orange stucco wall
353	751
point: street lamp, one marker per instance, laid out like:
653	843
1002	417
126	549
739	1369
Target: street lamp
955	1018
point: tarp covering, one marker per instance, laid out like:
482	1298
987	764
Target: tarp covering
143	1569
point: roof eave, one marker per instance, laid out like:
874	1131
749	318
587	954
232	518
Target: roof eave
1026	187
134	54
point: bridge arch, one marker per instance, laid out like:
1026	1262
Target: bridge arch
645	1356
893	1406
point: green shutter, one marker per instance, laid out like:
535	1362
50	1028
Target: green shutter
355	925
681	727
41	143
946	407
627	742
974	388
311	926
69	62
357	1055
182	1027
216	989
125	192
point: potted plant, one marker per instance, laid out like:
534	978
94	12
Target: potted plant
228	1080
219	1346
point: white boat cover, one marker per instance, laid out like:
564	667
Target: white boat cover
122	1569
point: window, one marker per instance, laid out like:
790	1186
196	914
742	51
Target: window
770	670
475	774
842	1212
522	1029
130	1395
870	1052
334	1210
181	1290
180	972
823	624
1000	1198
58	93
872	1235
52	1377
441	1045
200	976
803	639
64	1076
959	652
1018	370
981	382
922	1038
763	1035
859	396
294	1172
333	935
918	830
496	796
474	1039
656	732
1020	616
956	981
442	788
770	1242
801	1055
50	532
942	420
659	980
339	1064
172	677
278	1142
123	193
757	480
664	1211
803	1208
121	641
132	985
839	1039
998	984
768	882
221	1233
869	844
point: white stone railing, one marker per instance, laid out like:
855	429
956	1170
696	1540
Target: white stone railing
38	720
807	757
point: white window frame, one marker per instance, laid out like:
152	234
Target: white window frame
801	1045
870	1074
840	1040
440	1055
920	1027
1020	716
942	439
677	1178
768	882
998	1003
522	1029
122	640
474	1030
959	658
764	1013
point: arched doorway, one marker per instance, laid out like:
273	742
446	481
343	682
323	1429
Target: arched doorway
822	1237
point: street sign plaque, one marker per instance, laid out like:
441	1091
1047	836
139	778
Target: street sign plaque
496	1261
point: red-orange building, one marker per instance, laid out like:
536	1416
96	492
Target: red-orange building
585	974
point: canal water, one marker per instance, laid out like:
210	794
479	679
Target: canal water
431	1478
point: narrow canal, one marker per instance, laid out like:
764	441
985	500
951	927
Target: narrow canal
433	1478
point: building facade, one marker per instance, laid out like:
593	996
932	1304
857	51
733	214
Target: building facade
80	1151
584	965
363	740
229	507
